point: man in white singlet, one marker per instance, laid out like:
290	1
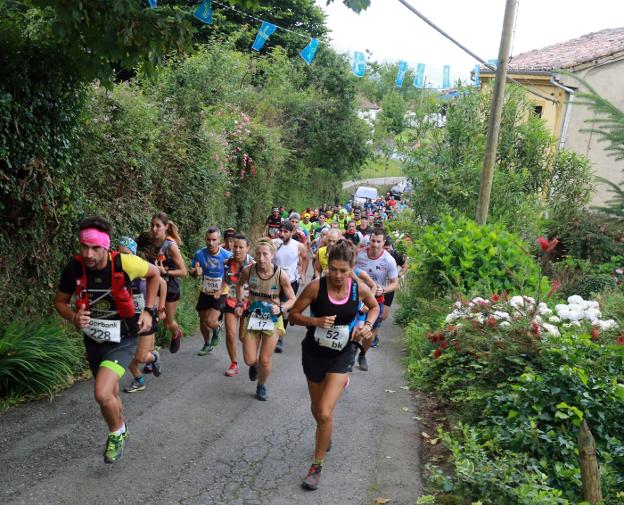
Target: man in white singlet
292	258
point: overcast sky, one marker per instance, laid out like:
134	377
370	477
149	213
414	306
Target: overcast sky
392	33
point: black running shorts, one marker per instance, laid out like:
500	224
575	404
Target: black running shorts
205	302
316	366
120	354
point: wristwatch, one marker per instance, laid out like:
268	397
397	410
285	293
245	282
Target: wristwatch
152	310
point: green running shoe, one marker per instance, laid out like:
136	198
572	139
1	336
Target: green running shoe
216	337
207	348
115	446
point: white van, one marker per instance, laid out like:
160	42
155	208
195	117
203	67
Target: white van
363	194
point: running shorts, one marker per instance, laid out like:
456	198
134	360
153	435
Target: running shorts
172	297
116	356
279	326
388	297
315	366
205	302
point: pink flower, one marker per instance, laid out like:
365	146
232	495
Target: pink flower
546	245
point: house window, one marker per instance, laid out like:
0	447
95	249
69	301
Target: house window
537	110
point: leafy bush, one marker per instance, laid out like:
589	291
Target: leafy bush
38	357
590	285
459	255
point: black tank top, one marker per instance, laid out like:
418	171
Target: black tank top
345	313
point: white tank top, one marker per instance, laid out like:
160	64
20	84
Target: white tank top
287	258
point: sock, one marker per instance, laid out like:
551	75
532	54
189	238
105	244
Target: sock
155	356
318	462
121	430
362	354
140	379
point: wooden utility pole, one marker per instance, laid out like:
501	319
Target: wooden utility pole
589	465
496	111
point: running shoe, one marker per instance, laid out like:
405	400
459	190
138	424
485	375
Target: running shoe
232	370
363	363
375	343
148	368
205	350
216	337
174	345
156	366
261	393
135	386
279	348
114	447
313	478
253	372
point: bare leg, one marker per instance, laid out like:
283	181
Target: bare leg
170	323
106	393
267	347
323	398
230	336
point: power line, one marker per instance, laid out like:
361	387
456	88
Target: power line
468	51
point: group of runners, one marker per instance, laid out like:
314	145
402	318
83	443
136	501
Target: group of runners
117	291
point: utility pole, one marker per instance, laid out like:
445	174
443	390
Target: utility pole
496	111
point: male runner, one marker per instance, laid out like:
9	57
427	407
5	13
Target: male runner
382	268
100	281
273	223
208	265
292	257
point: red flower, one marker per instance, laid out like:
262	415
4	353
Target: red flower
620	340
546	245
595	333
495	298
554	286
491	322
443	345
437	353
535	328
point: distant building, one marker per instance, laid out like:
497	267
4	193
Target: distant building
598	58
368	110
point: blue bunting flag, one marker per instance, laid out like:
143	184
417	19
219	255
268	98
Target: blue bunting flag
401	74
477	75
204	12
265	31
309	51
446	76
419	77
152	3
359	64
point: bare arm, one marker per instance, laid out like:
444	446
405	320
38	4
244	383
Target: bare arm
287	290
303	262
153	282
368	281
316	264
392	286
79	319
309	294
240	288
180	268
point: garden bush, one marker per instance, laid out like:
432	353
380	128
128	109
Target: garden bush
38	357
458	255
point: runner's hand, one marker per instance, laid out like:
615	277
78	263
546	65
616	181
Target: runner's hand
379	291
325	322
363	332
238	311
275	309
198	270
145	322
161	313
82	318
160	266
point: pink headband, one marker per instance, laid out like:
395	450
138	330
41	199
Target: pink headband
92	236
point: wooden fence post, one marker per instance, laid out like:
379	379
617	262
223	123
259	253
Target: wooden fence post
589	465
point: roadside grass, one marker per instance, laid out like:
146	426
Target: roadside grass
381	168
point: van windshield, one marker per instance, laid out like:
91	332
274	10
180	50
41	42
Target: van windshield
370	193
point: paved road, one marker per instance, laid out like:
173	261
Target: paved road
198	437
381	181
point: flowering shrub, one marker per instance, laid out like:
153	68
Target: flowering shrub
521	376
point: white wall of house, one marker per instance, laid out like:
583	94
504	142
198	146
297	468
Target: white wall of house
606	79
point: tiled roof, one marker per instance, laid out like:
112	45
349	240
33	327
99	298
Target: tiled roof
571	53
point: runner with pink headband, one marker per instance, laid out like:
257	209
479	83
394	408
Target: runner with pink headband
93	236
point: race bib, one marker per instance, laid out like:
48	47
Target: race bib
232	291
260	322
103	330
211	285
336	337
139	303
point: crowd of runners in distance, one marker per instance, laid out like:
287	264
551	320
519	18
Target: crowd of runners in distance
118	290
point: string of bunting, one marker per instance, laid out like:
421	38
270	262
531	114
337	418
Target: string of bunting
203	13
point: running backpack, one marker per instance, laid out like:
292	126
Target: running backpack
121	289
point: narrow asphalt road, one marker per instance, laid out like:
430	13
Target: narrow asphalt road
198	437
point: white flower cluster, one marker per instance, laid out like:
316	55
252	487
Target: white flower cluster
577	312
